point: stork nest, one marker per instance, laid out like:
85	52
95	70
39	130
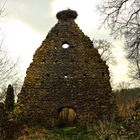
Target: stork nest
67	15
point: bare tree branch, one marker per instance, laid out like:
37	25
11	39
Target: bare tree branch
7	66
104	48
123	18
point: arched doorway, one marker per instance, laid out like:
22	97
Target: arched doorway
67	116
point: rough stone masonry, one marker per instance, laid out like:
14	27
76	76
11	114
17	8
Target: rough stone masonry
67	71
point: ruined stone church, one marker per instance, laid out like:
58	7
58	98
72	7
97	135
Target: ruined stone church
66	72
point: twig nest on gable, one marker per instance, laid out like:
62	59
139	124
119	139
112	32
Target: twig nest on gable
67	15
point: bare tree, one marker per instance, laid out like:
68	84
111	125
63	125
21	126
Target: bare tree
2	8
8	73
104	47
123	85
133	75
7	66
123	18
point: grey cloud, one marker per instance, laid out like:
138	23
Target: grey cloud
35	13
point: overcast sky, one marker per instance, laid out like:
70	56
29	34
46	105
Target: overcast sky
27	23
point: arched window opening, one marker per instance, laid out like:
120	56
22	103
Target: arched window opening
67	116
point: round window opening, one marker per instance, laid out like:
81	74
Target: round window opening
65	46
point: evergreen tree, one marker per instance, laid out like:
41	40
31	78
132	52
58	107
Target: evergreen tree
10	99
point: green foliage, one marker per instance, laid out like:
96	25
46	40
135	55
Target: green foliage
100	131
133	91
15	114
129	91
67	133
10	99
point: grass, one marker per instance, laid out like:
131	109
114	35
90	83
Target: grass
73	133
67	133
126	100
100	131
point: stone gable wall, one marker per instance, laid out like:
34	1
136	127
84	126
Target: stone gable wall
74	77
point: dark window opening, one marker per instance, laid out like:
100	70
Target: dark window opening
56	61
66	116
103	74
37	79
90	46
66	75
72	61
86	61
84	75
48	75
43	60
